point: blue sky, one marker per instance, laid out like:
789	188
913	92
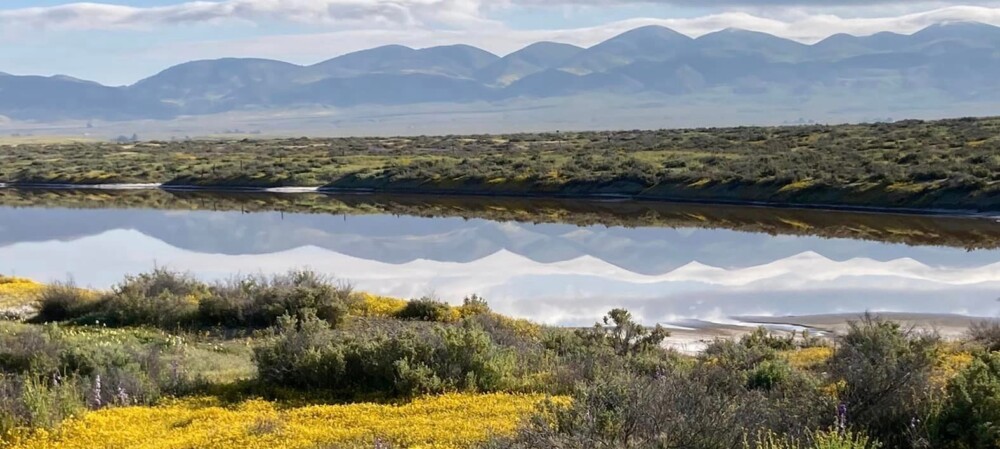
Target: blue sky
120	42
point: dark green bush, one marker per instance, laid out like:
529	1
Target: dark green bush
31	350
970	417
160	298
762	337
886	372
29	402
49	373
173	300
62	301
628	411
768	375
306	353
427	309
620	332
259	301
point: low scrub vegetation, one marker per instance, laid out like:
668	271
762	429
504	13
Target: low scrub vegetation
301	361
939	164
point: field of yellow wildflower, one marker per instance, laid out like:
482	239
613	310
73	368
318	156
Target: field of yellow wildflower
452	421
17	292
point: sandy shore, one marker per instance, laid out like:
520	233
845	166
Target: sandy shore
692	337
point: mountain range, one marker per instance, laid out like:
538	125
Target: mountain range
954	61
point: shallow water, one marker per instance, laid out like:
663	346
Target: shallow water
667	271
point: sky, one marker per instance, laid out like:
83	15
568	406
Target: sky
121	42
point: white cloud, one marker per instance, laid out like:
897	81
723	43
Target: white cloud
804	21
89	16
308	48
341	26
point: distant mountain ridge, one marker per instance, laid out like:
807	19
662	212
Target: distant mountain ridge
951	61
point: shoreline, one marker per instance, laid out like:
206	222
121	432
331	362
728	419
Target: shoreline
692	338
291	190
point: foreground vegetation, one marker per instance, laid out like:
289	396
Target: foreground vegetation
963	232
447	421
299	361
953	164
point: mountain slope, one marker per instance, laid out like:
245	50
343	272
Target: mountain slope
59	97
385	89
460	61
735	42
210	86
653	43
942	63
532	59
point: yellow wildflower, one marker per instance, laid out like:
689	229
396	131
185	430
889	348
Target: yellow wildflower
453	421
373	306
808	358
17	292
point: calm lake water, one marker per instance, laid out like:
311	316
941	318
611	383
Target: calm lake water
714	265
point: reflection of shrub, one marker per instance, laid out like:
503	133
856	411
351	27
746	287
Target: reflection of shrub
971	414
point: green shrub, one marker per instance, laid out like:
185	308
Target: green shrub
427	309
625	411
475	305
27	402
48	373
259	301
62	301
970	417
307	353
160	298
829	439
886	373
986	334
172	300
736	356
762	337
768	375
301	354
624	335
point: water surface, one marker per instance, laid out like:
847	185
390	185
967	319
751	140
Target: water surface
562	263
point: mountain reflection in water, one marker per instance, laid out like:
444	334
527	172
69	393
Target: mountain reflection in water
561	262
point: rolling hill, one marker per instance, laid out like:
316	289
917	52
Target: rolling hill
954	61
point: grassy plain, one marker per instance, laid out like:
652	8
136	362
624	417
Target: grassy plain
298	361
951	164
